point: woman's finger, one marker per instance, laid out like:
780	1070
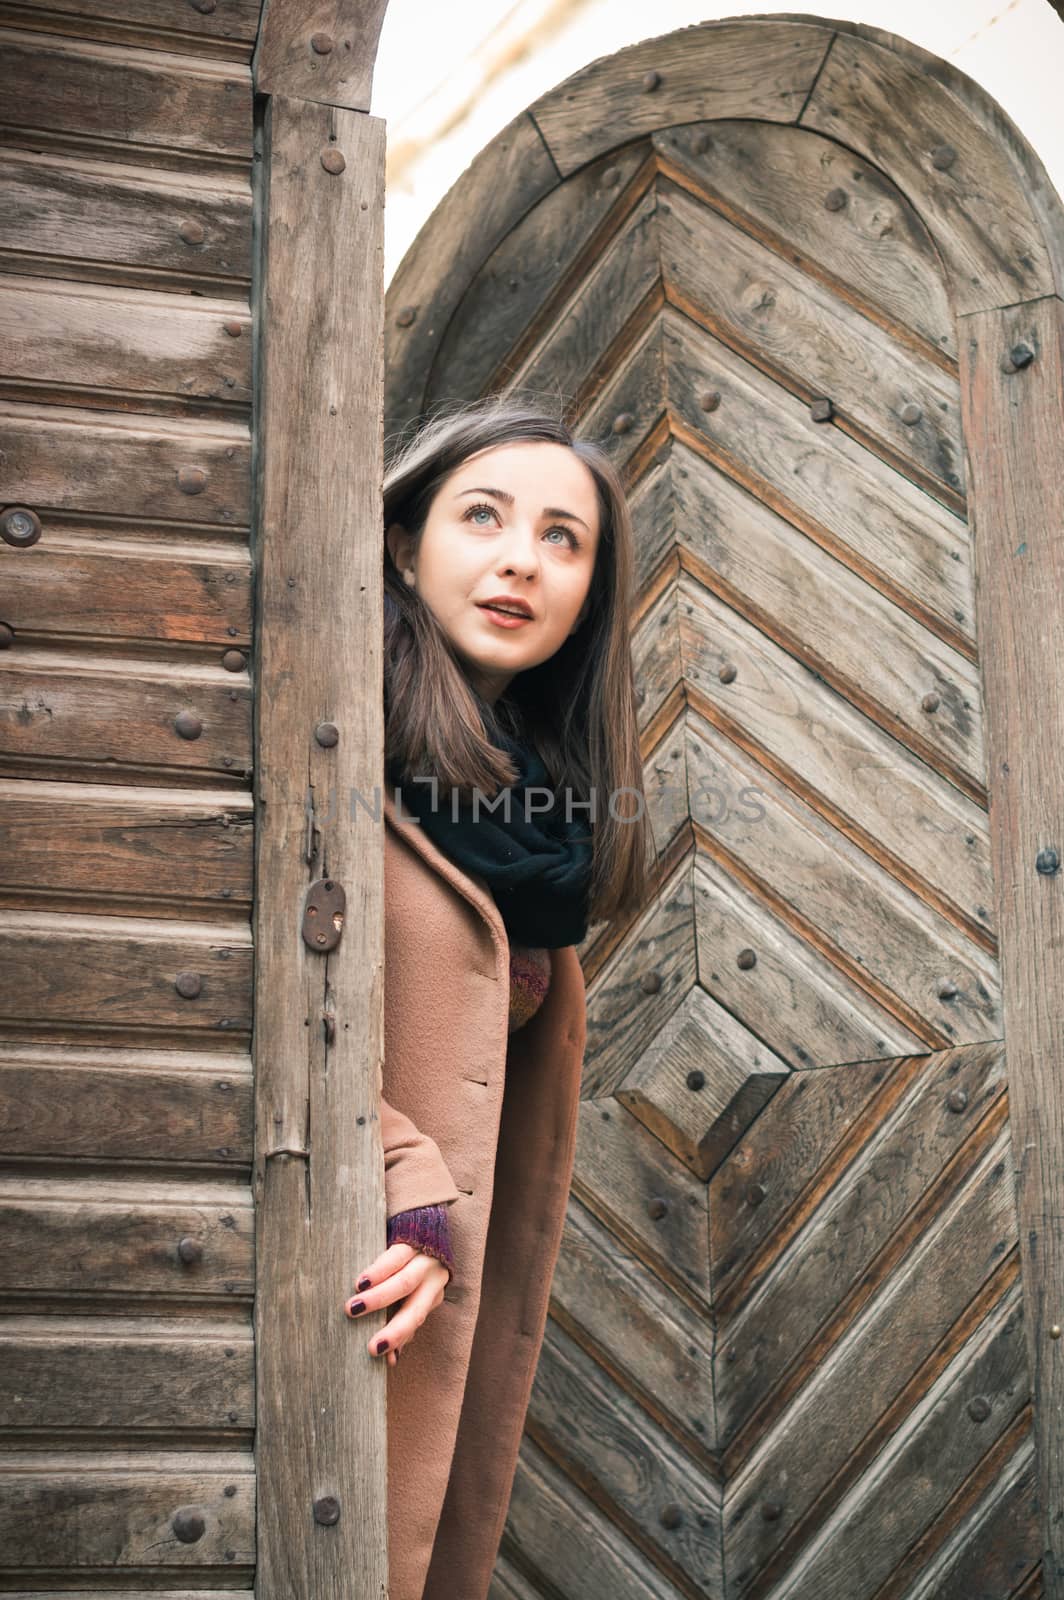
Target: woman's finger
403	1281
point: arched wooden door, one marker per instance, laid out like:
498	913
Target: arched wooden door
804	1340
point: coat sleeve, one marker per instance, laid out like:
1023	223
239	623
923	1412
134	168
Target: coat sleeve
428	1229
415	1173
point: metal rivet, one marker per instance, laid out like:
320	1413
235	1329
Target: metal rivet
746	959
943	156
19	526
191	480
930	702
234	660
188	984
192	232
1047	862
702	143
771	1511
651	80
657	1208
979	1408
650	982
327	734
1054	1332
622	422
190	1251
948	990
911	414
227	761
671	1515
188	725
696	1079
189	1526
233	328
406	316
727	673
835	199
709	399
230	1489
755	1194
321	43
203	6
611	177
1021	355
327	1510
333	160
822	410
7	636
957	1099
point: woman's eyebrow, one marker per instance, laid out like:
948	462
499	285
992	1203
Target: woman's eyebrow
508	500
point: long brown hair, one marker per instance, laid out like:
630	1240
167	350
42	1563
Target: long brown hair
578	707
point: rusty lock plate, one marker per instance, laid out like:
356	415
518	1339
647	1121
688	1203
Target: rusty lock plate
323	915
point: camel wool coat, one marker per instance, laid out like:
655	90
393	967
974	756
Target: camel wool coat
485	1120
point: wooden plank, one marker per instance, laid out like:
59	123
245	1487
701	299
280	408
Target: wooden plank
70	713
133	104
842	902
974	201
77	583
774	181
744	68
63	459
119	224
319	50
172	1107
97	345
118	1376
181	851
507	179
155	24
114	972
1014	427
321	1399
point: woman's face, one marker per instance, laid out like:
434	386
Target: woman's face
517	520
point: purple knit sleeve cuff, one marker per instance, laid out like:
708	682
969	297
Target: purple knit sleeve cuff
427	1228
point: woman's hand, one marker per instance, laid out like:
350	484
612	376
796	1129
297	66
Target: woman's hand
400	1273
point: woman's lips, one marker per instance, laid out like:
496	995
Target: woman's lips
504	619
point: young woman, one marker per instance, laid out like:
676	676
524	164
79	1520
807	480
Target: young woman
515	819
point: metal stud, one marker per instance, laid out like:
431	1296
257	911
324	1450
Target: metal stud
188	725
189	1251
822	410
192	480
611	177
771	1511
835	199
406	316
709	399
702	142
327	734
696	1079
333	160
671	1515
19	526
321	43
233	328
205	7
746	959
911	414
948	990
7	636
188	1526
188	985
943	156
957	1099
1021	355
1054	1332
234	660
192	232
1047	862
657	1208
755	1194
930	702
651	80
622	422
650	982
327	1510
727	673
979	1408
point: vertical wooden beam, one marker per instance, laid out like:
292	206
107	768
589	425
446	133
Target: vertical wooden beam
318	1035
1014	433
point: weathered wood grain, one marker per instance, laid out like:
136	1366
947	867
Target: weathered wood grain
156	24
320	1395
319	50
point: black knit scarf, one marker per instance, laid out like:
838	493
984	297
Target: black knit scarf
537	864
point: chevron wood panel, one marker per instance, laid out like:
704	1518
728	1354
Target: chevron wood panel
786	1355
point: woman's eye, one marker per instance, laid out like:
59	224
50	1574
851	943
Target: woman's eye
474	509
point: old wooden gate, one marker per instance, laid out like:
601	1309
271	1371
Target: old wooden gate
805	1331
191	288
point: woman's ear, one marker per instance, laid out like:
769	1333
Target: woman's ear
398	542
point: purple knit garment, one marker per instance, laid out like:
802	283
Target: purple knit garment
427	1228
